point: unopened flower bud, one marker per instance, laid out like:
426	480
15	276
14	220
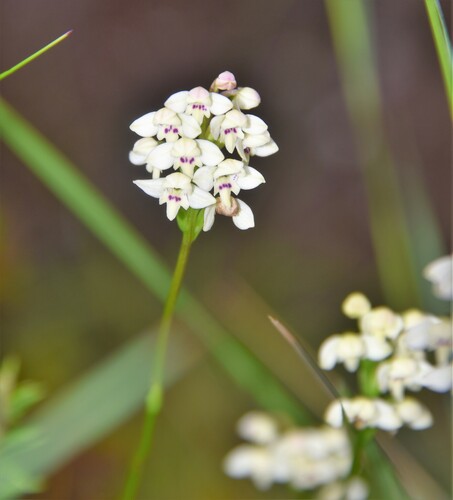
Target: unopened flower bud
225	81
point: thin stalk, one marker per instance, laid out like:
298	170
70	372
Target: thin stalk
154	399
31	58
368	388
443	46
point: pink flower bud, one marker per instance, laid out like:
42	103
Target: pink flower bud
225	81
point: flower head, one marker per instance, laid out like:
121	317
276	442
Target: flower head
187	136
305	458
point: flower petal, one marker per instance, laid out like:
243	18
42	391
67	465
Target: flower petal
376	348
268	149
228	167
136	159
203	178
245	219
328	355
161	157
199	198
254	125
220	104
141	150
247	98
230	142
172	209
387	419
334	413
437	379
256	140
210	153
209	216
215	126
144	125
152	187
190	126
177	102
251	179
178	181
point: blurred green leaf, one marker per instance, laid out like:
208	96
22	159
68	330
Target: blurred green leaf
15	479
84	413
25	397
394	240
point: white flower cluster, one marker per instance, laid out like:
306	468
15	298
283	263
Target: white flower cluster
304	458
401	345
186	138
395	353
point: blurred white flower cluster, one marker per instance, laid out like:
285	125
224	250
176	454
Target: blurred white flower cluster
394	353
410	351
304	458
185	140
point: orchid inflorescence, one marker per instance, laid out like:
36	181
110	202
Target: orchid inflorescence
407	351
185	139
393	353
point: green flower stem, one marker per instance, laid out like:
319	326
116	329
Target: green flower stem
363	437
368	388
154	399
34	56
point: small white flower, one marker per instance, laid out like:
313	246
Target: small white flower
309	457
347	348
257	427
436	378
256	145
355	305
166	124
225	81
176	190
232	128
350	348
198	103
413	317
431	334
141	150
230	176
382	322
251	461
239	211
185	154
414	414
400	373
363	412
440	274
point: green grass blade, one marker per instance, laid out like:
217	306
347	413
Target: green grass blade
88	410
31	58
443	46
63	179
396	262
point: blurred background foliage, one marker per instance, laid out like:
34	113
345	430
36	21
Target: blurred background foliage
358	198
